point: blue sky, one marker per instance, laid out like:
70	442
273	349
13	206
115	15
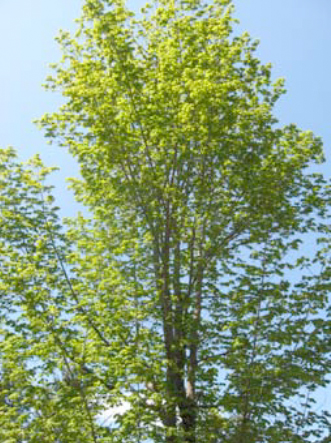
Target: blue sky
295	37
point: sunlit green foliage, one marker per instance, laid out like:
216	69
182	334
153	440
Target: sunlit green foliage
188	293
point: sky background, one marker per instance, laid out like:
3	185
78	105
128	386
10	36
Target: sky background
295	36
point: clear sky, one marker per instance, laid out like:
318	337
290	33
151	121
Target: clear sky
295	37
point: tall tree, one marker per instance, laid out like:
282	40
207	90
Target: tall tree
188	294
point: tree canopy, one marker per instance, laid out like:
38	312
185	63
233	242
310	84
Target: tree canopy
194	290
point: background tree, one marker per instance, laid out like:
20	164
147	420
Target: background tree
187	293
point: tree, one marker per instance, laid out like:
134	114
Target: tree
187	292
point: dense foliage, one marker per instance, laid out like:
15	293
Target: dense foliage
193	295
